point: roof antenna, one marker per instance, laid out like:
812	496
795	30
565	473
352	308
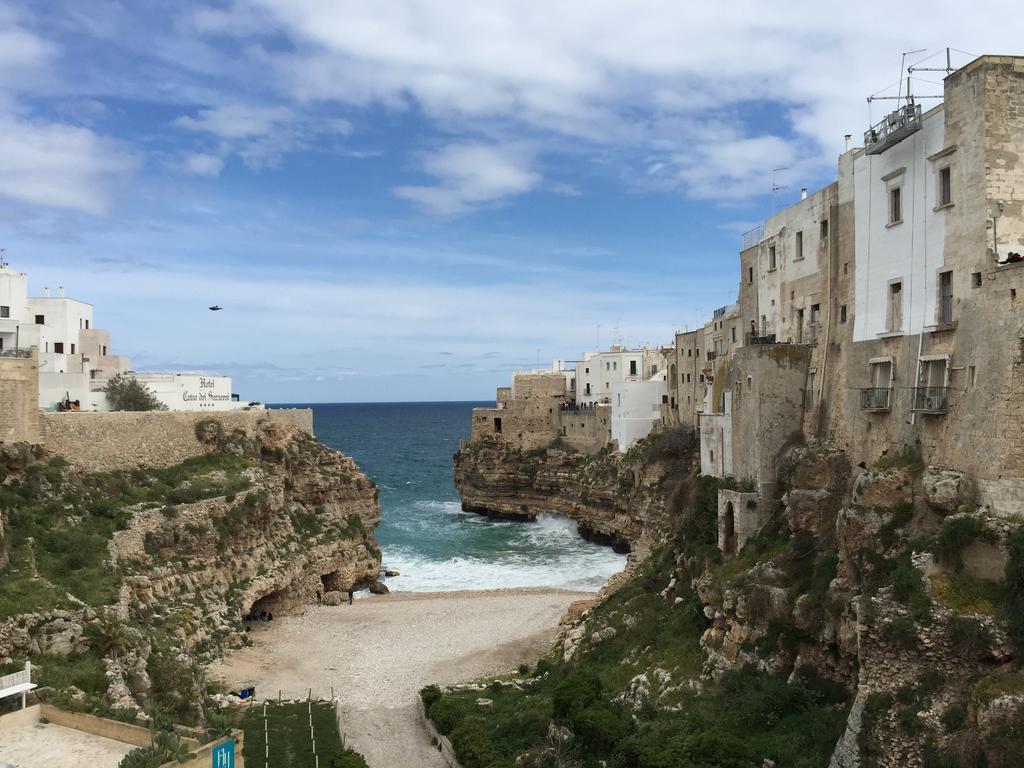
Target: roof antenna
776	186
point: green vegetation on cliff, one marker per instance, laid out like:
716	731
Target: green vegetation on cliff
58	522
630	698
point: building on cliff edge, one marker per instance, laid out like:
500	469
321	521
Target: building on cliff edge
72	361
882	313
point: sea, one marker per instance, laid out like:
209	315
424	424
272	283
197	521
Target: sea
407	448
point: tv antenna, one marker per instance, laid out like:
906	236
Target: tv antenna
775	184
909	96
3	262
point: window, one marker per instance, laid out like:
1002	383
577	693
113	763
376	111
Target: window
615	365
750	275
823	229
842	313
971	375
607	366
586	390
632	367
799	326
497	425
894	319
945	298
654	369
976	279
687	378
811	383
846	267
40	320
664	399
771	257
72	349
87	325
58	347
945	195
733	329
587	370
815	314
881	374
5	311
689	353
895	205
799	246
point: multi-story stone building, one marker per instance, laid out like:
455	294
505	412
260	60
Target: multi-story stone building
883	312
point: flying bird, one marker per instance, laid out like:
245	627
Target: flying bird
216	308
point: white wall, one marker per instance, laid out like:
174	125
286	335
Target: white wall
55	387
716	441
13	295
911	251
636	406
602	370
191	392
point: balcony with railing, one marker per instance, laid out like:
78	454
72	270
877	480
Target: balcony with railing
930	399
892	129
18	352
754	339
875	399
753	236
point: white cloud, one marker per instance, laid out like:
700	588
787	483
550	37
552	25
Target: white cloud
636	76
60	166
470	175
261	135
200	164
24	56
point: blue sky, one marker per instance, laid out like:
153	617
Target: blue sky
408	200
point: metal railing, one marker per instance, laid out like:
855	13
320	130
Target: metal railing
930	399
762	338
875	398
19	352
892	129
753	236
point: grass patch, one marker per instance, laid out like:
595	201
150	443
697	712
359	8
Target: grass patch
288	735
956	534
966	594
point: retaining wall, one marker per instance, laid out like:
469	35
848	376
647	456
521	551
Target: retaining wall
127	440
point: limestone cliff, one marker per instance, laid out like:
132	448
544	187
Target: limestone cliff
265	519
890	583
626	500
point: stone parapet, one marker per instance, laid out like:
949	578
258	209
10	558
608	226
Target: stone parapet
104	442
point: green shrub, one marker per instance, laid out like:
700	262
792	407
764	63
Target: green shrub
954	717
347	759
126	393
908	588
599	728
969	636
901	632
955	535
575	693
1015	588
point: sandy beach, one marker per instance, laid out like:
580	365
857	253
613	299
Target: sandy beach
378	653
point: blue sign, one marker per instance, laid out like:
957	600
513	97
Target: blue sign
224	755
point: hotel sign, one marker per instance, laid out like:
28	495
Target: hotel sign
206	392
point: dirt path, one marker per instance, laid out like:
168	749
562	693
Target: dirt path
378	654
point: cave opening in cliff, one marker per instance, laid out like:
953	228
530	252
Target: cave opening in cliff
272	604
332	582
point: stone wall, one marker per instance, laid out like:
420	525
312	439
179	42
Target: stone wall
587	430
126	440
739	518
19	399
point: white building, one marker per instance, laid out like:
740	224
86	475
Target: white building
596	372
74	356
636	408
900	216
192	391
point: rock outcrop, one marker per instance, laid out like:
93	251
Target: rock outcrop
302	523
624	500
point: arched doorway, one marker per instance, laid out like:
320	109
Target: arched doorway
729	530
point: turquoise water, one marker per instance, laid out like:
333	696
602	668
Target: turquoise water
407	449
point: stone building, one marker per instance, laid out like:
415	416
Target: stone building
883	312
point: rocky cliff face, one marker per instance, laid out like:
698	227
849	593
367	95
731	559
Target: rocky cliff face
262	523
625	500
887	582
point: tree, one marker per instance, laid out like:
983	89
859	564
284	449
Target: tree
126	393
